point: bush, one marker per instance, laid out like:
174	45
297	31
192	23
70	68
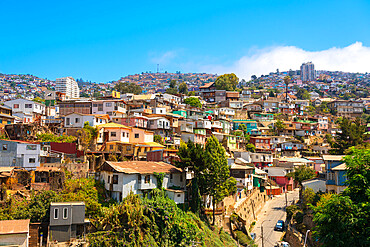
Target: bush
291	210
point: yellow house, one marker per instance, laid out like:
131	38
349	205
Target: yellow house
129	141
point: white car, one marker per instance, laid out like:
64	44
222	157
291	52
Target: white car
282	244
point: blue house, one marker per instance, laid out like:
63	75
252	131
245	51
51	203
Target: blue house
335	173
250	124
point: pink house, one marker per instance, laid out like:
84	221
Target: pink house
278	174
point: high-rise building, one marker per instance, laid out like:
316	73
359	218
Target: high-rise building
308	72
69	86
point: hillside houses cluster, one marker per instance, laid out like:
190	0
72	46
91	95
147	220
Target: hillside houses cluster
151	127
138	136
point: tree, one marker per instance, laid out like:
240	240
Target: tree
279	126
171	90
227	82
303	94
193	101
301	174
192	158
183	88
254	77
352	134
271	94
87	136
158	139
343	220
128	87
217	172
250	148
173	84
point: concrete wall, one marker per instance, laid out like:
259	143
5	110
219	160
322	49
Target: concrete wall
250	208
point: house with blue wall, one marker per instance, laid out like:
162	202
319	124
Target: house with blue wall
250	124
336	170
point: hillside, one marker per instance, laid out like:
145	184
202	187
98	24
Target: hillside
157	221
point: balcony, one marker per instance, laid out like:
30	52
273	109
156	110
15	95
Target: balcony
330	182
147	186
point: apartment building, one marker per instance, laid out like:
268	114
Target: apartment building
69	86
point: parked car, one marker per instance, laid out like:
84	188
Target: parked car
282	244
279	226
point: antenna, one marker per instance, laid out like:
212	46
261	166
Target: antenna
157	68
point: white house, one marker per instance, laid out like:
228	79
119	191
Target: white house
112	107
138	177
19	153
113	132
77	120
24	109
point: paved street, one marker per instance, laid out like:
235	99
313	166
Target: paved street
273	211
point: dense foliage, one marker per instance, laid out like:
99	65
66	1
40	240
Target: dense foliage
126	87
154	221
50	137
37	208
193	101
211	171
352	134
343	220
227	82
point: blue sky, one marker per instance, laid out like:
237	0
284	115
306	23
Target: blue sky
104	40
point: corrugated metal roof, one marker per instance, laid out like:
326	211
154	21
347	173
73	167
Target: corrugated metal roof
143	167
332	157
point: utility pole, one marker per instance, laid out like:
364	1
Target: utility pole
262	234
286	199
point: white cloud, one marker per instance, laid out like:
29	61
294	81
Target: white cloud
164	58
353	58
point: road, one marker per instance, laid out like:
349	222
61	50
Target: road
273	211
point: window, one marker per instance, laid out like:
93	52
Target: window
113	134
32	160
28	106
5	147
127	134
128	148
147	179
136	135
181	178
108	104
108	179
16	106
139	178
111	147
115	179
31	147
65	213
77	120
56	213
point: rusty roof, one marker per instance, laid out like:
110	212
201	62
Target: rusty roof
47	169
207	85
143	167
14	226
